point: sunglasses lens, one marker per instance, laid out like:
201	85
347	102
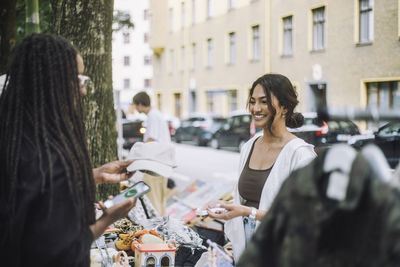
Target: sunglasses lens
83	79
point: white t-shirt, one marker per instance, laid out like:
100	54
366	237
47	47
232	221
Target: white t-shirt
156	127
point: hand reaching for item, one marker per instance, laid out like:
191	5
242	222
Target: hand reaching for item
231	211
111	215
112	172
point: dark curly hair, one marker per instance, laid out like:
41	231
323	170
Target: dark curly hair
281	87
41	102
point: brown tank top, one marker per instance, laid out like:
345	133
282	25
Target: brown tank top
251	183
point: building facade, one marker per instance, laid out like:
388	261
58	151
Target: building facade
344	51
132	55
208	53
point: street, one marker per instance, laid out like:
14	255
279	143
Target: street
204	163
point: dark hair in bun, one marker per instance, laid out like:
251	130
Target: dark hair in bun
281	87
295	120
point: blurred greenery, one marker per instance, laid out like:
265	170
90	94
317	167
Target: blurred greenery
122	20
44	17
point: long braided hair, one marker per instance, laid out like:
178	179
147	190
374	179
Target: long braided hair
41	102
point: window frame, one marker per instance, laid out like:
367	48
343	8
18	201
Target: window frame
365	22
318	29
210	52
287	30
256	43
194	55
126	37
232	48
127	83
127	60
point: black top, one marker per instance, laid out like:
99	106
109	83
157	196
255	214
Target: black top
39	237
251	183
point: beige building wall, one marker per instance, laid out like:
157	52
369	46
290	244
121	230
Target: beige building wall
177	78
344	65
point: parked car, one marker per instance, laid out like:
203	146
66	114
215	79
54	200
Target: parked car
235	132
387	138
199	129
322	134
132	132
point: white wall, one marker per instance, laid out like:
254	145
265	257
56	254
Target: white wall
137	72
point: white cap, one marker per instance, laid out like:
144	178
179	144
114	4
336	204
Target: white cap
153	156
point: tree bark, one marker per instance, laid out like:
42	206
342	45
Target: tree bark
8	35
88	24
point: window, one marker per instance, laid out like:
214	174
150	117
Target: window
233	100
147	60
147	83
366	21
318	28
178	104
127	60
145	14
159	101
171	19
193	12
287	36
209	8
232	48
194	63
145	37
182	15
256	43
231	4
209	53
127	83
383	95
210	102
171	60
126	37
161	63
182	58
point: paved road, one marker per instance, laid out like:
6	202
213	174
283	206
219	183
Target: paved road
205	163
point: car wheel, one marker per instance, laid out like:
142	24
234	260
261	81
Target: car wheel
241	144
177	139
215	143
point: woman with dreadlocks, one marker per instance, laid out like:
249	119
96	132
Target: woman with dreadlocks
47	184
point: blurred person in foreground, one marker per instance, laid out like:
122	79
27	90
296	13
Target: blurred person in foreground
47	183
266	160
156	130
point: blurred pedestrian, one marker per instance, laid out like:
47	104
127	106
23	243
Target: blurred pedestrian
156	125
266	160
47	184
156	130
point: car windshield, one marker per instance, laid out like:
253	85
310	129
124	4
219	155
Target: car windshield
389	129
312	121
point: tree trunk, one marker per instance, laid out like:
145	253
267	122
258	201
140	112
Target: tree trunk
88	24
7	33
32	17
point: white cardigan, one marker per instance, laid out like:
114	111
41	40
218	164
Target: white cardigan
295	154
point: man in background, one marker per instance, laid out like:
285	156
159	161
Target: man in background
156	130
156	125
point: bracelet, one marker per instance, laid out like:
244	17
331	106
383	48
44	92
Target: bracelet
253	213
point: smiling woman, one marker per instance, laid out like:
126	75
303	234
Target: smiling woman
266	160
